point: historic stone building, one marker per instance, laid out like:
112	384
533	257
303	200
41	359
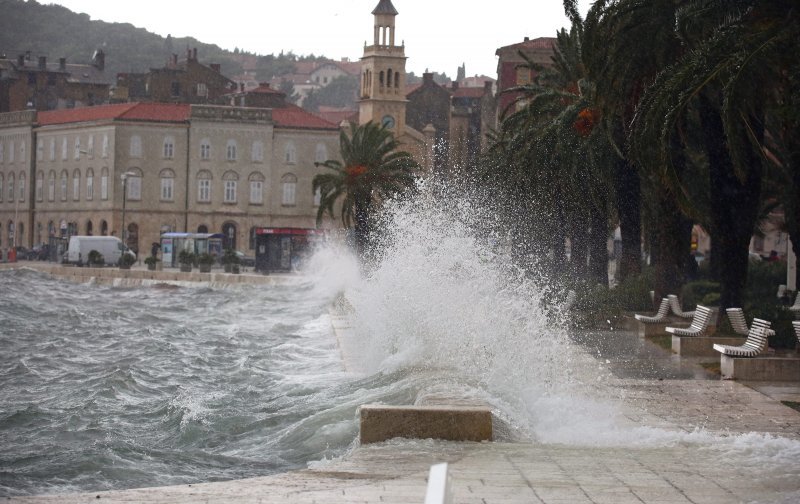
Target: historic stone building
183	168
383	87
511	74
47	85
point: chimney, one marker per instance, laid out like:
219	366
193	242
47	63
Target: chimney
21	60
427	77
62	64
527	39
42	62
215	67
99	59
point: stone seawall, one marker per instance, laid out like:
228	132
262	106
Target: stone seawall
137	277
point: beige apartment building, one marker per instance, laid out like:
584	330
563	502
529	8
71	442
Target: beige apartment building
153	168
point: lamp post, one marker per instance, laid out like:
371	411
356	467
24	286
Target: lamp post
124	177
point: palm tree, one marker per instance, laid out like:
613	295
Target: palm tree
372	170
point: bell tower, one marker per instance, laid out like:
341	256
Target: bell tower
383	74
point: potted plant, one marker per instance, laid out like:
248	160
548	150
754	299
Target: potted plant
186	260
151	262
230	261
205	261
95	259
126	261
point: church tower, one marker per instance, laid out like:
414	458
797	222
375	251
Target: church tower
383	74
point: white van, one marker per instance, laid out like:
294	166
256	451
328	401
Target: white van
110	247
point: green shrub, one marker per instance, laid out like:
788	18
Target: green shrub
703	292
763	279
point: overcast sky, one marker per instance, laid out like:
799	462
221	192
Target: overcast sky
439	35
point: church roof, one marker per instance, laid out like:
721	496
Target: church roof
385	7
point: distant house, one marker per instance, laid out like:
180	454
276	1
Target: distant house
187	81
510	73
26	84
312	75
472	116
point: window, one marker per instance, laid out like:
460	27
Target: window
202	89
258	151
51	187
105	146
64	185
136	146
256	189
205	149
167	185
11	152
289	186
290	156
89	184
10	187
133	184
204	186
64	149
231	180
523	76
321	154
52	149
39	150
104	184
90	146
39	186
169	148
22	152
2	154
176	88
21	183
76	185
77	153
230	151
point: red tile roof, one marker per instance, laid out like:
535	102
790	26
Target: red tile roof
155	112
295	117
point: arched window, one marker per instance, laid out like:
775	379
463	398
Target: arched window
204	186
21	184
51	186
10	187
76	185
89	228
167	185
290	155
64	177
256	189
103	228
230	150
104	184
258	151
321	154
380	78
168	150
289	189
89	184
39	186
205	149
133	185
389	78
136	146
230	179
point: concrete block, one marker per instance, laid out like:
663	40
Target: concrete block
381	422
760	368
645	330
702	346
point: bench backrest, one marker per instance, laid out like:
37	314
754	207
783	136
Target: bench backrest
675	304
757	336
702	316
737	320
663	308
796	325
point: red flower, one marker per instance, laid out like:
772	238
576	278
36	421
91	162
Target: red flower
353	172
585	122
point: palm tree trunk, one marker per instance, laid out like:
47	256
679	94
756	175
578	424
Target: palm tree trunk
630	220
734	206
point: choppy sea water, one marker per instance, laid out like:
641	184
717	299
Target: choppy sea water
105	387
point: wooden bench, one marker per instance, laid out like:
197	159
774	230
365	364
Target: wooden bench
699	325
755	344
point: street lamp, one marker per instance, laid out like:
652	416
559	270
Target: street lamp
124	177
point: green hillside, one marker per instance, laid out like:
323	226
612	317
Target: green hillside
55	31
